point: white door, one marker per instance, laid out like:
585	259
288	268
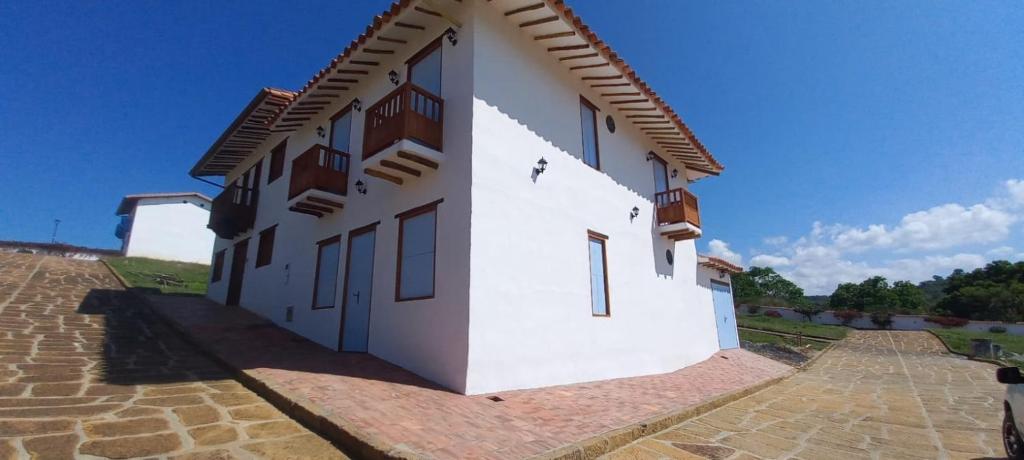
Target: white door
355	321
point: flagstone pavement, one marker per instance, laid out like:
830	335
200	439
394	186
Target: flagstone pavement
83	374
877	394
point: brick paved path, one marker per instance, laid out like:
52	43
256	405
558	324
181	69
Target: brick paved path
85	373
881	395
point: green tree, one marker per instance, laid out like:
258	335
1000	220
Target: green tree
764	282
876	295
909	298
994	293
846	297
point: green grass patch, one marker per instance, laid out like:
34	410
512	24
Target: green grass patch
792	327
960	341
169	277
765	337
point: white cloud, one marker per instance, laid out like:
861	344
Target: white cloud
768	260
835	253
720	249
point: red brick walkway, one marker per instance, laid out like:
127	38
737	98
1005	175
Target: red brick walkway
395	408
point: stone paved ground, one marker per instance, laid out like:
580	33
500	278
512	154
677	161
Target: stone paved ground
84	373
877	394
394	407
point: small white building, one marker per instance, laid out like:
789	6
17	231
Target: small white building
480	192
166	226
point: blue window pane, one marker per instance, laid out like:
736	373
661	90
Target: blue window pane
417	273
427	72
587	117
341	133
598	283
326	280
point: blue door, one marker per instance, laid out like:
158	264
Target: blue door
725	315
355	320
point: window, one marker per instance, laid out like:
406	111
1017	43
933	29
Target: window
341	130
599	304
660	174
588	117
218	265
326	280
265	250
277	161
417	231
425	68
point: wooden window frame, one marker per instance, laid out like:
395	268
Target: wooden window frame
402	216
217	273
316	275
597	137
603	239
278	155
419	55
335	117
265	255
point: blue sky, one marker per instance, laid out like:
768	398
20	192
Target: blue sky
858	137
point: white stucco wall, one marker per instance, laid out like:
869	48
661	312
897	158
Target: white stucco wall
530	317
428	336
170	229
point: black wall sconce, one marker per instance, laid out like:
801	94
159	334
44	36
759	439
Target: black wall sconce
393	76
542	165
357	105
320	131
634	213
675	173
650	156
610	123
361	187
452	36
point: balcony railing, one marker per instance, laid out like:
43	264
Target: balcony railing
677	205
233	211
408	112
320	168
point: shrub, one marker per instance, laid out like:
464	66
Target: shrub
997	330
847	316
882	319
773	314
753	309
947	321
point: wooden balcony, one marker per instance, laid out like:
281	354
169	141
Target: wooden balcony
678	214
403	134
233	211
319	181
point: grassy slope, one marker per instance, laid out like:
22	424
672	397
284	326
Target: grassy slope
140	272
792	327
960	341
764	337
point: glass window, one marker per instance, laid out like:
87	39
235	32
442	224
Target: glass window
598	278
328	257
425	72
660	175
588	117
416	255
265	250
277	162
341	132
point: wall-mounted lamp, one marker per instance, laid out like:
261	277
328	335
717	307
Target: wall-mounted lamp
650	156
452	36
634	213
320	131
675	173
357	105
393	76
721	274
361	187
542	165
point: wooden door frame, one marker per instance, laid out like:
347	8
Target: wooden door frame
344	290
240	268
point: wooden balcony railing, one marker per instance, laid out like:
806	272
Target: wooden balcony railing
320	168
233	211
408	112
677	205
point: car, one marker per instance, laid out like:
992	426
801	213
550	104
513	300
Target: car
1013	403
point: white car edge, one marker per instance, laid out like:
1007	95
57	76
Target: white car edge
1013	403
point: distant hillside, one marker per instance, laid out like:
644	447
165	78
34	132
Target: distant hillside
821	300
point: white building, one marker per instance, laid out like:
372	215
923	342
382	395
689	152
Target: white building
480	192
167	226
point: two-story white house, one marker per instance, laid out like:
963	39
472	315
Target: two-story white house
167	226
481	192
